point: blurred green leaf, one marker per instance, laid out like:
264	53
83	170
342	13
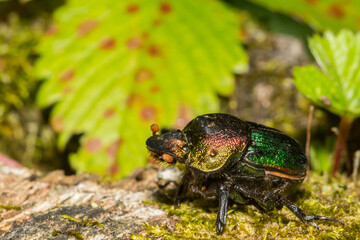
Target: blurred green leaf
321	14
114	67
320	156
336	86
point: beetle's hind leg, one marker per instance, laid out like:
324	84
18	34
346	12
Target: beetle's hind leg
300	213
262	201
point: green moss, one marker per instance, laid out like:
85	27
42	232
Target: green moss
84	222
9	207
70	233
319	195
73	232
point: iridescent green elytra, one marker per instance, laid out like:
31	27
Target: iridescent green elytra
226	157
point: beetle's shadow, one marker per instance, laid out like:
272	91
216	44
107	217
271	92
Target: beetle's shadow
166	194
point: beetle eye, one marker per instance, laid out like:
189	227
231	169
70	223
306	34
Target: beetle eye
185	148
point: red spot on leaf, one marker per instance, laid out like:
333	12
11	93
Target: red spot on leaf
57	123
92	145
113	169
132	8
67	75
112	150
144	36
155	89
157	22
86	27
108	113
311	2
325	100
143	74
336	11
108	43
134	43
165	8
154	51
53	29
67	90
134	99
148	114
184	116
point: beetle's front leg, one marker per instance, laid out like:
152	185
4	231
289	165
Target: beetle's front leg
223	204
181	188
301	214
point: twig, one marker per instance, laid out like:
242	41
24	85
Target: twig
340	145
356	165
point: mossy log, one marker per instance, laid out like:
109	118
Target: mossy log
84	206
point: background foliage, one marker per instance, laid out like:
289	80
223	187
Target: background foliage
335	87
321	14
337	84
114	67
108	76
23	134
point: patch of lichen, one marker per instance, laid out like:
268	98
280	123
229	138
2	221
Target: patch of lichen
318	195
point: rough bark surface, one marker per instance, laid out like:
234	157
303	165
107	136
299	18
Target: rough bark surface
118	206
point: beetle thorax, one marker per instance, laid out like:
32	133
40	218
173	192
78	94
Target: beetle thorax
211	151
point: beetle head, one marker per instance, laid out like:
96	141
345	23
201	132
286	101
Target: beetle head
170	147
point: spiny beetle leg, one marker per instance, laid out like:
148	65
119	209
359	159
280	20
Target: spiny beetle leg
301	214
246	192
260	199
275	191
223	204
253	195
315	217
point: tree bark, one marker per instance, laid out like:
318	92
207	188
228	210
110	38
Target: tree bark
101	210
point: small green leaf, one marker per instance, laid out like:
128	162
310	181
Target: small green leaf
336	86
320	156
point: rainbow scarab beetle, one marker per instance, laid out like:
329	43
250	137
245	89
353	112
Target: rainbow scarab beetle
226	157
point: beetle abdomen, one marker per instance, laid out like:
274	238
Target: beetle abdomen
277	153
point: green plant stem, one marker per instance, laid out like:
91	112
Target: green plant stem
308	136
344	127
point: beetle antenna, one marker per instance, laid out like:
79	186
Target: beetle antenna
154	128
